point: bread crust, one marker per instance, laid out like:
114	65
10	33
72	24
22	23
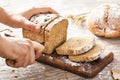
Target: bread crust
42	20
104	21
55	34
91	55
54	31
39	37
76	45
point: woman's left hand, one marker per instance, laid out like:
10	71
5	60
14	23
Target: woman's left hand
22	20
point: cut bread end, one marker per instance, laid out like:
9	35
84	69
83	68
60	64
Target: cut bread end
55	34
91	55
76	45
39	37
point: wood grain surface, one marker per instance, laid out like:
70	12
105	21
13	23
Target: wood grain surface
85	69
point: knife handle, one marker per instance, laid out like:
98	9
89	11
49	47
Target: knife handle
10	62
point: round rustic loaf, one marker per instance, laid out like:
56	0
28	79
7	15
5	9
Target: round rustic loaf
105	20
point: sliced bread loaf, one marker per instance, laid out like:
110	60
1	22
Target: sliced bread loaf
76	45
42	20
91	55
54	31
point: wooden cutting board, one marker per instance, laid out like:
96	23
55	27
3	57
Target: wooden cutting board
83	69
88	70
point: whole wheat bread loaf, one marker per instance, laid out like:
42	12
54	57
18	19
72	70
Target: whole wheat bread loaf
54	31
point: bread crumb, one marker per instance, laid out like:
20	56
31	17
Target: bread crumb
13	70
15	76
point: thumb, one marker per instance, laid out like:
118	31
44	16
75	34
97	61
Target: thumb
38	48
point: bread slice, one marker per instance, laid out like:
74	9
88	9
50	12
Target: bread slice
116	74
54	31
76	45
55	34
91	55
42	20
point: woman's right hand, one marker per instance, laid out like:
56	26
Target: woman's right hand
23	51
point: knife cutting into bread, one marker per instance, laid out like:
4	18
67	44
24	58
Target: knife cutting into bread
21	51
12	63
38	48
53	37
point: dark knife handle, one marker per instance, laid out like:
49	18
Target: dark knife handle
10	62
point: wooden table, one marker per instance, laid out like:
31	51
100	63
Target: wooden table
39	71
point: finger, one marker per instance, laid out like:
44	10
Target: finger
38	53
10	56
23	55
32	26
38	46
32	56
19	63
38	49
26	24
27	59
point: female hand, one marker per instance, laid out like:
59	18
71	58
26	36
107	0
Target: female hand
22	20
23	51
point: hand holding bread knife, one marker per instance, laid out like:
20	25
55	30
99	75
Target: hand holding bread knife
21	52
34	52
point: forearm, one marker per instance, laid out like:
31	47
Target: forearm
12	20
5	17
